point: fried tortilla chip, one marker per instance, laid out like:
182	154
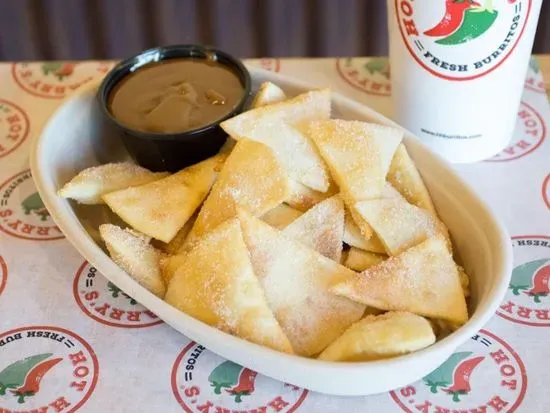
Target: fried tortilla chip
379	337
169	264
464	281
398	224
354	237
296	281
251	178
423	280
358	155
176	244
216	284
278	126
281	216
92	183
359	260
321	228
134	255
161	208
303	198
267	94
404	176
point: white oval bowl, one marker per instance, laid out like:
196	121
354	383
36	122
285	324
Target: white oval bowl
72	140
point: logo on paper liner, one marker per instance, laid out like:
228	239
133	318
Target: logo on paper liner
103	301
3	274
57	79
14	127
529	134
546	191
370	75
22	212
205	382
442	47
274	65
527	301
485	375
58	371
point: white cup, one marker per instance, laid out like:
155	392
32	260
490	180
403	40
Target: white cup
458	70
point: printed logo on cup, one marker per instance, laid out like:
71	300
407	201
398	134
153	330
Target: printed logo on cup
484	375
22	212
546	191
534	80
103	301
461	40
45	369
271	64
3	274
56	80
370	74
529	134
527	300
14	127
205	382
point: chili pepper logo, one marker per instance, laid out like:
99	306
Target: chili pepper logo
58	69
236	380
461	377
484	375
464	20
527	301
13	376
22	212
56	80
204	382
461	40
31	386
532	279
370	75
33	203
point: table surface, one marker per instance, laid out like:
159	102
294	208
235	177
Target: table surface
544	62
74	341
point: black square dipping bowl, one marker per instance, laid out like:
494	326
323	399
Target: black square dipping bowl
172	150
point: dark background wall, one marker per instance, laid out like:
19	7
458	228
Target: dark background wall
111	29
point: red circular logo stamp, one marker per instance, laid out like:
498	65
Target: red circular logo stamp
204	382
529	134
368	74
534	80
3	274
22	212
273	65
546	191
14	127
45	369
106	303
55	80
527	300
461	40
485	375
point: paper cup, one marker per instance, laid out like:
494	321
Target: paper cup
458	69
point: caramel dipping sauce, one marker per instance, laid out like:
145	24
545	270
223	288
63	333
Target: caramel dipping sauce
175	95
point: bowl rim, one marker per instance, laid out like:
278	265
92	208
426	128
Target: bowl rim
204	334
162	53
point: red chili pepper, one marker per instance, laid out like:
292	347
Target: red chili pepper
454	15
33	379
65	70
461	377
245	386
541	281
